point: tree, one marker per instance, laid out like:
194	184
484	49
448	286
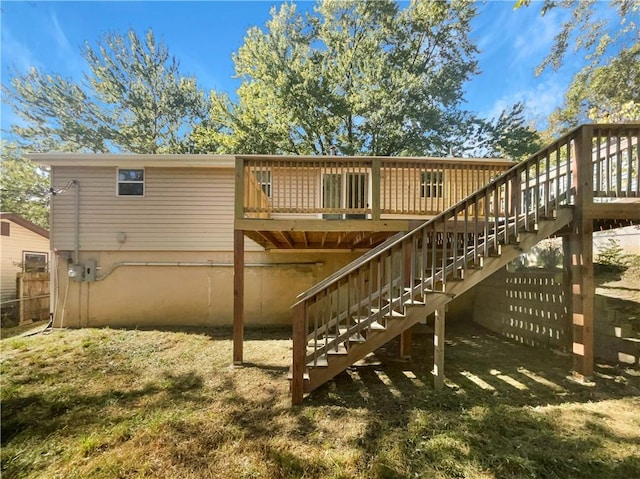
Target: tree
607	93
24	187
366	77
134	99
607	87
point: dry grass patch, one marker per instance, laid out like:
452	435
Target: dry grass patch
164	404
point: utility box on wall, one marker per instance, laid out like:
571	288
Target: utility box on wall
83	272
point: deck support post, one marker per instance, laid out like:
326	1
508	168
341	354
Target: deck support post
238	296
438	349
299	352
566	340
407	335
581	246
405	343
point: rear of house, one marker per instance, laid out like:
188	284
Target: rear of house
154	237
148	240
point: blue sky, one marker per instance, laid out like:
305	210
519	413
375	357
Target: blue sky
203	35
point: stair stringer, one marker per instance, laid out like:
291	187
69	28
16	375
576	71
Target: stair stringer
317	376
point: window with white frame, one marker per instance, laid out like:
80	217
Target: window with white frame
130	182
33	262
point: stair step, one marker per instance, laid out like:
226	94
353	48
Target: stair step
376	326
408	302
320	362
341	349
357	337
392	314
290	375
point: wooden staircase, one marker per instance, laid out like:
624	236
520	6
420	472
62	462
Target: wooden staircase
410	276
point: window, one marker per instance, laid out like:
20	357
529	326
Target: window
263	178
34	262
6	229
431	184
130	182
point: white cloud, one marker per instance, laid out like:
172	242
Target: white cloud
16	54
540	100
59	36
535	41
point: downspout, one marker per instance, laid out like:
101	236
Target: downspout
76	259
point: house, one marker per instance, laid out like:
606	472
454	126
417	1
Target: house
154	234
363	248
25	248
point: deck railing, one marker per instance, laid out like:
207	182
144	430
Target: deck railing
363	187
402	270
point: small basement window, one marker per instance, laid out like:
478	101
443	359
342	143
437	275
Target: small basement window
130	182
34	262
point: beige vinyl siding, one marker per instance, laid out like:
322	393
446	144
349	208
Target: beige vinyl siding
188	209
20	240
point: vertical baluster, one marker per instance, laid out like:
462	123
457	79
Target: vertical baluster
637	162
537	193
629	164
476	210
526	199
505	210
618	166
455	244
423	265
434	254
496	217
546	184
486	223
444	252
569	172
598	163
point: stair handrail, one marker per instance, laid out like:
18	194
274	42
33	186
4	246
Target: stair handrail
451	211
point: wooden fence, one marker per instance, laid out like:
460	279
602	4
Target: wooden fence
526	306
32	291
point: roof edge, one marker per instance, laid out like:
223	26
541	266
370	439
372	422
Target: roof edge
25	223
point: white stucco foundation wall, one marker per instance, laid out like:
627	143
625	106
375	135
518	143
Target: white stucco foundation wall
146	296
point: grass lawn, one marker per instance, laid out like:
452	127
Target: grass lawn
165	404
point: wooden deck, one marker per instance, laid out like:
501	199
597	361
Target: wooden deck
348	202
432	229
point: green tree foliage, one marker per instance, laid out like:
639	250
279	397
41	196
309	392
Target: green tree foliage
366	77
607	88
134	99
24	187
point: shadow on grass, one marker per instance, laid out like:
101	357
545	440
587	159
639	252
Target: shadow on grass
485	418
42	414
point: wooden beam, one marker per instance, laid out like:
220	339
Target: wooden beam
375	188
239	191
287	238
299	352
406	343
271	238
581	245
261	224
406	336
567	289
613	211
238	296
582	299
438	349
324	239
